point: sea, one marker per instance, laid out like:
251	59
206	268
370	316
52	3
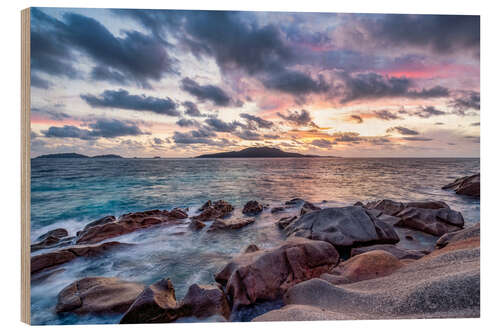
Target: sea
72	192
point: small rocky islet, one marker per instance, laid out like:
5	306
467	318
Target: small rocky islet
357	262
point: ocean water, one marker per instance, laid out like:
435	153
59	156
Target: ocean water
70	193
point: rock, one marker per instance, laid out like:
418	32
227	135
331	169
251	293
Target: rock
204	301
56	233
98	295
156	304
53	238
51	259
252	208
275	210
368	265
101	221
266	274
432	221
235	223
285	221
212	211
177	213
343	227
294	202
432	217
471	233
125	224
470	185
443	284
399	253
308	207
251	248
196	225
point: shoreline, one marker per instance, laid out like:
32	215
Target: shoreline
395	229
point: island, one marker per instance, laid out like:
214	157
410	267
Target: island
75	155
256	152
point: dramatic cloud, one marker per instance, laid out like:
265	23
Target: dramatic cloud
385	115
402	130
476	124
221	126
295	82
206	92
121	99
102	128
183	122
427	112
257	122
201	136
416	138
302	118
375	86
37	82
322	143
54	41
356	118
442	33
248	135
191	109
468	100
50	113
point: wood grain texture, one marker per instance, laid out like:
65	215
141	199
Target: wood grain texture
25	166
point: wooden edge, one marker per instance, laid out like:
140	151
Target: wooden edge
25	167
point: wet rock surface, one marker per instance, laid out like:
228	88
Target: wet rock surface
234	223
252	208
343	227
98	295
51	259
469	185
266	274
396	251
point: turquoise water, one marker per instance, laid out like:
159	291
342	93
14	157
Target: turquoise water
70	193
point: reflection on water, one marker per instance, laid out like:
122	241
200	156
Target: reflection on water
72	192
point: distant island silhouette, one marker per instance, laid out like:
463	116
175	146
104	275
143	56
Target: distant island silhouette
75	155
256	152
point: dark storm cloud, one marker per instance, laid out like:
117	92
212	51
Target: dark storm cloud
356	118
55	40
348	137
402	130
38	82
374	86
427	112
183	122
322	143
191	109
302	118
295	82
158	141
121	99
103	73
101	128
221	126
416	138
257	122
466	100
442	33
206	92
248	135
385	115
200	136
50	113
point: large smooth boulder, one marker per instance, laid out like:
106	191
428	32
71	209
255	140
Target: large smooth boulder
101	230
234	223
202	301
443	284
471	234
368	265
156	304
213	210
470	185
252	208
52	238
98	295
396	251
52	259
432	217
266	274
343	227
285	221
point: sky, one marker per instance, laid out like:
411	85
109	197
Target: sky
144	83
